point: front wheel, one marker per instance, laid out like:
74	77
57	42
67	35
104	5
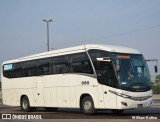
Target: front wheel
87	105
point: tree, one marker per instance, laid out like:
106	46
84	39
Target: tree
157	80
156	85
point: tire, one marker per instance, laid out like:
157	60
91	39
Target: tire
25	105
87	105
117	112
50	109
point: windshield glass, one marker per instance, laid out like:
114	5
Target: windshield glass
133	72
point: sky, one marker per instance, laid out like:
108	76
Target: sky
131	23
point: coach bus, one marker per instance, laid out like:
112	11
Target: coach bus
91	77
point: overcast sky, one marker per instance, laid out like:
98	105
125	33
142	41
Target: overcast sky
131	23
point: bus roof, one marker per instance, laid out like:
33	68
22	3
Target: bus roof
110	48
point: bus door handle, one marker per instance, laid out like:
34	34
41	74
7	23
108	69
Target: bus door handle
95	85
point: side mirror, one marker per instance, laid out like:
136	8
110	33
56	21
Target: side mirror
156	69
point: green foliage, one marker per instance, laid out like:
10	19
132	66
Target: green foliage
157	80
156	85
156	89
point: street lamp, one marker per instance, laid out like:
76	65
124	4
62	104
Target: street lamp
48	31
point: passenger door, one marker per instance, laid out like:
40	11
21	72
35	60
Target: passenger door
106	76
110	99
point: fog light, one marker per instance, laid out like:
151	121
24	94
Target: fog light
123	103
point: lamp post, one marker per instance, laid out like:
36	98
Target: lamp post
48	31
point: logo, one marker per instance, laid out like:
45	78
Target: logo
85	82
6	116
21	116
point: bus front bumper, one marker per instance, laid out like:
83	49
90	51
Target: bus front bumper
125	103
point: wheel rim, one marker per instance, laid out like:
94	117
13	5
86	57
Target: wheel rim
25	104
87	105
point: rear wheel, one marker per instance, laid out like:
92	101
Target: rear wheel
87	105
25	105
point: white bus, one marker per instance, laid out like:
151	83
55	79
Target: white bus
90	77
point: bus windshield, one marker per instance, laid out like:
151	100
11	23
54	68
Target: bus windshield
132	72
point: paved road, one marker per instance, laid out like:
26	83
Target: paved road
147	113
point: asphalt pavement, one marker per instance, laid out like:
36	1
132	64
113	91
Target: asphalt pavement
15	113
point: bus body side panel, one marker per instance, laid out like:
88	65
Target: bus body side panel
13	89
40	91
59	91
9	97
91	88
101	97
65	90
110	100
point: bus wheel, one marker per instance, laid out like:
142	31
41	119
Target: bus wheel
87	105
116	111
50	109
25	105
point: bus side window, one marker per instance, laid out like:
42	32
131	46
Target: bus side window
44	66
87	67
8	74
79	63
18	70
30	68
60	64
8	70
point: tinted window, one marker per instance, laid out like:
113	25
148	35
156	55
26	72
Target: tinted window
97	54
7	70
45	66
104	69
80	63
61	64
75	63
18	70
7	74
30	68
